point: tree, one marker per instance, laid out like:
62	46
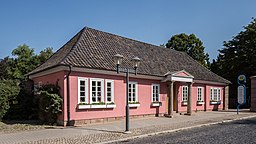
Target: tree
23	61
238	57
190	44
8	91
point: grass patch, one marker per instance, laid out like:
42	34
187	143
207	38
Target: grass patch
12	128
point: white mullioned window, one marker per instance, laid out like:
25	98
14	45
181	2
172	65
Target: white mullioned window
133	96
199	93
82	90
215	94
155	92
96	90
109	90
184	93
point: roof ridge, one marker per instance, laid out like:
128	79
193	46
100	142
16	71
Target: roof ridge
74	45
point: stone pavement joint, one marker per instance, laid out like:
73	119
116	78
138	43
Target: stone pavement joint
113	132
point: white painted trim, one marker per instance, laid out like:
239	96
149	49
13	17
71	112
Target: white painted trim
182	92
134	105
158	85
136	90
209	82
202	92
102	89
181	79
112	90
95	71
86	89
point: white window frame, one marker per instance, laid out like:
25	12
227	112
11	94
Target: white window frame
218	94
153	99
202	95
183	100
106	90
136	91
86	89
102	90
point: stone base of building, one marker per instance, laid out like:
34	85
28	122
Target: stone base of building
103	120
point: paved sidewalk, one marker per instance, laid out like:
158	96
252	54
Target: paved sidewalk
101	133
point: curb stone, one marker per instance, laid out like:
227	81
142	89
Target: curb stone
179	129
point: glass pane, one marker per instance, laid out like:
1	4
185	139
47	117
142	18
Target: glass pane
109	99
82	93
93	88
93	99
82	82
99	93
99	83
82	99
99	88
93	83
109	84
99	99
133	90
82	88
93	94
133	86
109	89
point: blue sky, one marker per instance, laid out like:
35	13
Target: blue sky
51	23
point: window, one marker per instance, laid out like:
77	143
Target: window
215	94
184	93
82	90
155	92
132	97
199	94
109	91
96	90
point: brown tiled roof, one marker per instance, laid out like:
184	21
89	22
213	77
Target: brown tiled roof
95	49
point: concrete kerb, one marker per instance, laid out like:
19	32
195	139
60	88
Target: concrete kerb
175	130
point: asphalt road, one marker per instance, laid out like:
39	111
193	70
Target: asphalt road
236	132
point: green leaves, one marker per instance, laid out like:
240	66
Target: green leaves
190	44
9	89
238	57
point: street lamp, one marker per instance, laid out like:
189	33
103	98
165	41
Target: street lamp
136	61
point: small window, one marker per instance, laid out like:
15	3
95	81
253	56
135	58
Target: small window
184	93
82	90
199	94
215	94
109	91
155	93
96	93
132	97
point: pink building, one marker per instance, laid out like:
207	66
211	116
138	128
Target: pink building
167	81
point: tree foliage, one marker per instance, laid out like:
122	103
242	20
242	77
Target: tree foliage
190	44
50	103
13	69
25	60
8	91
238	56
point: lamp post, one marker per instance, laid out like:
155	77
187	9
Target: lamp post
118	60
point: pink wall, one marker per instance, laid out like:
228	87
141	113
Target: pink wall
144	97
206	97
58	77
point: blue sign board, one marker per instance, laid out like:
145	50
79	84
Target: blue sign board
241	91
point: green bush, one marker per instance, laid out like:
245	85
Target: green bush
9	90
50	103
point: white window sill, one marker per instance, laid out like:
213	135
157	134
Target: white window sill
215	102
184	103
96	106
134	105
200	102
156	104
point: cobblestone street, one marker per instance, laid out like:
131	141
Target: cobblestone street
112	132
